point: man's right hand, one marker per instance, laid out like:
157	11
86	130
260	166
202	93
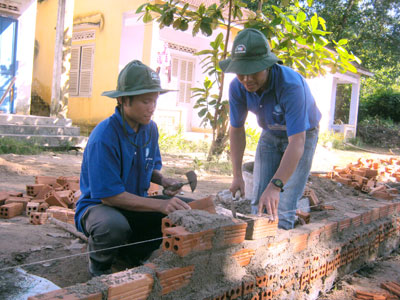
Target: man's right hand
173	204
237	185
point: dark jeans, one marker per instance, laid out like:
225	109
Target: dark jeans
108	227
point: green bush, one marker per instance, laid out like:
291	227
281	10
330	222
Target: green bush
384	104
8	145
383	133
176	143
252	137
332	139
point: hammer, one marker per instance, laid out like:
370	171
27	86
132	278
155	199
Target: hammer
191	180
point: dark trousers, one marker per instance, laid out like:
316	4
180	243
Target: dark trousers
108	227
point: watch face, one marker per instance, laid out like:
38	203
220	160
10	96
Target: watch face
277	182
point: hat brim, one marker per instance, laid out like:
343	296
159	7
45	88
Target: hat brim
116	93
248	66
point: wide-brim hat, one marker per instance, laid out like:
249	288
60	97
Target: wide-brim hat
136	79
250	54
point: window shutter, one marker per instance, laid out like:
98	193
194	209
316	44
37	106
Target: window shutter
74	71
85	79
175	67
183	73
190	80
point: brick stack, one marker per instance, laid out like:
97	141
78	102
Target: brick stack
368	176
56	194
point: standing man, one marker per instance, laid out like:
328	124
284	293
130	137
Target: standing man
289	118
120	159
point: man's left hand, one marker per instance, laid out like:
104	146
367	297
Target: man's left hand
269	200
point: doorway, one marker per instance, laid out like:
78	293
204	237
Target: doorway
8	66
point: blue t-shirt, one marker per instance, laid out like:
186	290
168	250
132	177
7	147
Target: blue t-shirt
285	107
112	165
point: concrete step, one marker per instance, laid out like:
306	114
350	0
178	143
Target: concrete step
39	130
33	120
50	140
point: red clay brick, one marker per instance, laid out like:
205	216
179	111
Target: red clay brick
234	293
392	287
370	173
15	194
382	195
344	224
43	206
260	227
255	297
66	294
262	281
304	279
66	196
366	217
248	287
38	218
206	204
330	229
50	180
244	256
43	192
34	189
73	186
356	221
132	287
53	199
32	207
375	214
279	246
62	214
342	180
299	242
310	194
266	295
234	234
315	235
166	223
174	279
359	172
24	201
10	210
183	242
305	216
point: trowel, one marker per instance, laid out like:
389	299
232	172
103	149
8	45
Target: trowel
191	181
234	198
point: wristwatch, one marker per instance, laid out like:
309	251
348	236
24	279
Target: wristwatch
278	183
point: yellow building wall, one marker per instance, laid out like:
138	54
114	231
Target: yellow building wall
90	111
45	35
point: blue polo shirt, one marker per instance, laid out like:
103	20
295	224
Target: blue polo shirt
112	165
285	107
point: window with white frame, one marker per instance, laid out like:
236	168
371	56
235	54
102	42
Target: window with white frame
183	74
81	72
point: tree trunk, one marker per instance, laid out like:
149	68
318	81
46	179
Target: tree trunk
220	133
218	144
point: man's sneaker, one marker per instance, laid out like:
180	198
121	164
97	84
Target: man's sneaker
95	271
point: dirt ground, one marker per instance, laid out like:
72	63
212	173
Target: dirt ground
35	248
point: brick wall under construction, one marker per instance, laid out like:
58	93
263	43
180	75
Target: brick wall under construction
249	259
